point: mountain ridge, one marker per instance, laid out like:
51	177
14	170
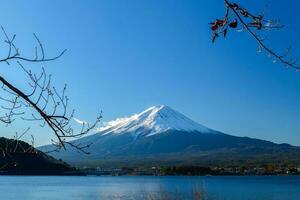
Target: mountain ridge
20	158
156	119
162	135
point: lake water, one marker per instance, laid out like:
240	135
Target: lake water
127	187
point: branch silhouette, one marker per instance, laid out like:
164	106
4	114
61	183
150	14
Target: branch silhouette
253	24
49	107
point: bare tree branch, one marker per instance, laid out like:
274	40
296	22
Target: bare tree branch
48	106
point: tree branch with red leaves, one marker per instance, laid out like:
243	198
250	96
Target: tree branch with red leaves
237	16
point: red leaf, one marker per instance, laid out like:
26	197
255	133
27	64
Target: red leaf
214	27
233	24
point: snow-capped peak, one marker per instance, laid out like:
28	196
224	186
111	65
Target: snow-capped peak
154	120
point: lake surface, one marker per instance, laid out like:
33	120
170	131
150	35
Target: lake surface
134	188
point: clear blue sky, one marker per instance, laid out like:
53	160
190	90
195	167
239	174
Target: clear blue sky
124	56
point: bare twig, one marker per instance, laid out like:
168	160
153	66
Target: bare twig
48	105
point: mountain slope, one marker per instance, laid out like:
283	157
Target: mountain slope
161	135
18	157
154	120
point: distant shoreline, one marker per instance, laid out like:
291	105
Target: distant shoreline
267	170
128	175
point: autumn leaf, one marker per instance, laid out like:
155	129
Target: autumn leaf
233	24
214	27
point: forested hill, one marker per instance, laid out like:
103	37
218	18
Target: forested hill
18	157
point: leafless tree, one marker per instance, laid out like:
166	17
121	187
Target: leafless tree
239	18
43	104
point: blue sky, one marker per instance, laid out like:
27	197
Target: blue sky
124	56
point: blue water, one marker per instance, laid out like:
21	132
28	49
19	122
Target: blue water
134	188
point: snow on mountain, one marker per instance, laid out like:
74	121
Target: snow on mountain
175	139
154	120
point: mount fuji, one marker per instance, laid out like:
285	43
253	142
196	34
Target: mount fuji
155	120
162	136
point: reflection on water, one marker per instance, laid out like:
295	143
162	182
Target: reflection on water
133	188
